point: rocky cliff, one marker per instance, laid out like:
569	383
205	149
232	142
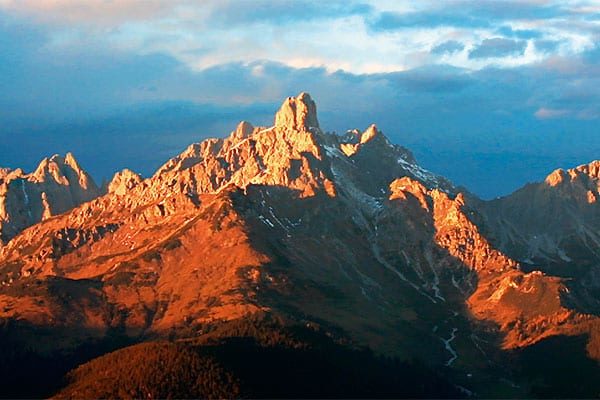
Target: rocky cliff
57	185
345	231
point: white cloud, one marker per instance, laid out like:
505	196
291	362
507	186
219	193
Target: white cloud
201	35
95	12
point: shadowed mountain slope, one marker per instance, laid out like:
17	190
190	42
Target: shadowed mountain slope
347	232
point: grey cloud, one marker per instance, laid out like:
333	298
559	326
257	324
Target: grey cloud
435	79
498	47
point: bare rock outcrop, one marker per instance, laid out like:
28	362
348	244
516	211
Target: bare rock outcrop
57	185
123	182
298	113
346	230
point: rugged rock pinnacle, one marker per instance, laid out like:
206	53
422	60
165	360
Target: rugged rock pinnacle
242	131
299	113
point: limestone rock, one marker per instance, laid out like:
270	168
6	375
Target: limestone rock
369	134
123	182
242	131
346	230
57	185
297	113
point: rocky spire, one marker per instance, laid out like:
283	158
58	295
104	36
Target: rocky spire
57	185
369	134
123	182
243	130
298	113
53	168
64	171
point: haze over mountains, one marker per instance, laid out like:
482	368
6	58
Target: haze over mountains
342	235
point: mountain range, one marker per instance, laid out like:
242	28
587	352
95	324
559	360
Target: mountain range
327	241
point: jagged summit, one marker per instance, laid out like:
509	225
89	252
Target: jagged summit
242	131
57	185
298	113
347	230
63	170
123	181
355	139
580	184
592	169
369	134
294	153
556	177
586	171
553	222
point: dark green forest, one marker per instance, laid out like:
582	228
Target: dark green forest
253	359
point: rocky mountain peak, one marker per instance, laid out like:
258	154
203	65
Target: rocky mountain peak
50	167
242	131
72	162
405	187
4	172
289	154
369	134
297	113
585	171
57	185
348	230
592	169
63	170
7	174
556	177
123	181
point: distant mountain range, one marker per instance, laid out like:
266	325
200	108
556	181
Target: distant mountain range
293	238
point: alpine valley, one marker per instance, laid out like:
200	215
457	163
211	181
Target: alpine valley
287	261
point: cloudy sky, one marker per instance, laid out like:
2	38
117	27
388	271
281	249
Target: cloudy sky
492	94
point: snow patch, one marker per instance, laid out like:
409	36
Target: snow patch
436	279
26	198
449	347
420	173
563	256
332	151
266	221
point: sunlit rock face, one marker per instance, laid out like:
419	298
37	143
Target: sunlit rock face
124	181
346	230
243	130
57	185
297	113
